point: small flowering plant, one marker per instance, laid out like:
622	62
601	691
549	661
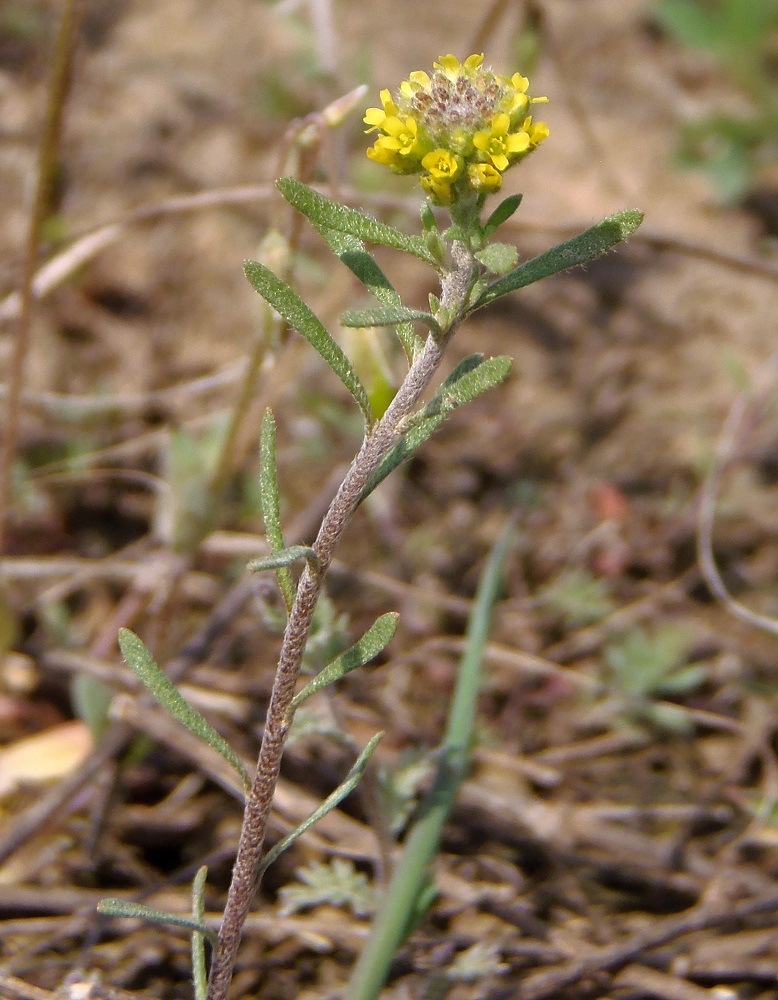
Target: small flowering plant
460	128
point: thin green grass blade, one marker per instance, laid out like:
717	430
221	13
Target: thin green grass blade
469	379
400	908
271	511
354	255
330	213
580	249
199	972
288	304
167	694
286	557
373	642
334	799
388	316
123	908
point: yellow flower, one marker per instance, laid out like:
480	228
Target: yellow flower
499	144
537	132
459	126
440	191
484	177
402	135
386	157
441	165
416	81
452	68
375	117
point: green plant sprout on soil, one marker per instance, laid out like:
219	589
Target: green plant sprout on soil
459	128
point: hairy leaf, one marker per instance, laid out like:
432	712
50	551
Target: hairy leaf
352	252
289	304
113	907
348	220
373	642
268	496
199	971
470	378
334	799
286	557
388	316
167	694
585	247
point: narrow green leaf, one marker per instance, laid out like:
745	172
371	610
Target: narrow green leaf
408	890
167	694
373	642
427	216
502	213
286	557
112	907
334	799
470	384
268	498
330	213
580	249
388	316
289	304
356	258
470	378
199	971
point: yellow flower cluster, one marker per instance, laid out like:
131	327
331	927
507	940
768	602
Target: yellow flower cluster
460	127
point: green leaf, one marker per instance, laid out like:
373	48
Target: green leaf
373	642
498	258
353	254
501	214
580	249
286	557
289	304
408	889
141	661
334	799
113	907
427	216
388	316
470	378
199	972
330	213
268	497
469	384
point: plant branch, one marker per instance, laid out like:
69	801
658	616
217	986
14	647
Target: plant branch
378	442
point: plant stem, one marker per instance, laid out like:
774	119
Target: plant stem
377	444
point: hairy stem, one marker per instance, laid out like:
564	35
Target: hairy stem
377	444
